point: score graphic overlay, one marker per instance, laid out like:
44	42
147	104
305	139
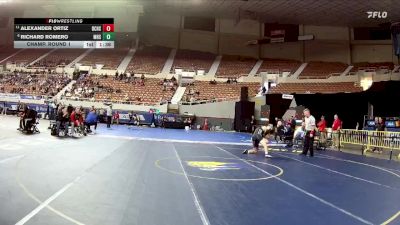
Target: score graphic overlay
64	33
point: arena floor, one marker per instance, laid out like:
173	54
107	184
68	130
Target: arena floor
155	176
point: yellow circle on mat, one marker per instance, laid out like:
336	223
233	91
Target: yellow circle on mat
213	164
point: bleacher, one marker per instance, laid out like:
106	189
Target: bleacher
5	52
27	56
59	58
33	84
279	66
149	60
205	91
371	67
189	60
322	70
235	66
311	88
97	88
110	58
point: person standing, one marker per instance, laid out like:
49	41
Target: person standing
380	128
109	116
322	130
116	117
336	126
253	123
309	133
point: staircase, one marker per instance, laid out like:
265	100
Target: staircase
170	61
214	66
256	67
347	71
79	58
124	64
395	68
299	70
5	60
178	95
41	57
60	93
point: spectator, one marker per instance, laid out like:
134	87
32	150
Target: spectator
91	120
380	127
205	125
293	123
336	126
322	130
116	117
76	120
279	131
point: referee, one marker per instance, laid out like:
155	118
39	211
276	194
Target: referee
309	135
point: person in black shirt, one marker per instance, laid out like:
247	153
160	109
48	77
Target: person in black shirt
260	136
62	120
380	126
22	110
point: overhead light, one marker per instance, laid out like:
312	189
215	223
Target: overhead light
4	1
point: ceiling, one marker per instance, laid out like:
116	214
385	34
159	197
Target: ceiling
316	12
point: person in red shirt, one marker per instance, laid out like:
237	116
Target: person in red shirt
116	117
76	120
322	130
205	125
336	126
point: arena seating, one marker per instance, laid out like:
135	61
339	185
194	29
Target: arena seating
33	84
193	60
310	88
149	60
27	56
279	66
235	66
6	52
322	70
102	88
372	66
217	91
59	58
110	58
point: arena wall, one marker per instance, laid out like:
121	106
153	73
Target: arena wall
224	110
331	44
290	50
373	51
199	41
233	37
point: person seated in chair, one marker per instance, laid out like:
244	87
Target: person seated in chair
22	112
62	120
76	121
30	120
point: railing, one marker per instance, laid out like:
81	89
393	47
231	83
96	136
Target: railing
19	96
207	101
369	140
113	101
319	77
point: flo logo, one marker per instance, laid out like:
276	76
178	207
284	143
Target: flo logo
377	14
